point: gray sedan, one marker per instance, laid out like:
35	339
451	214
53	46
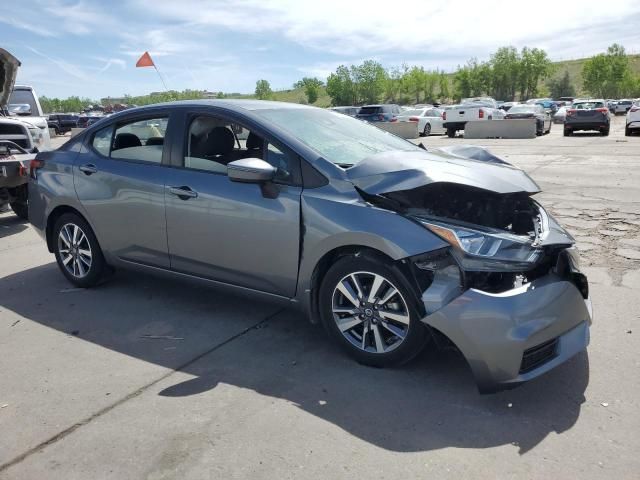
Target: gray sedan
388	245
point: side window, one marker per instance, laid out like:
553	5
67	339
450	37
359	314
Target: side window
282	162
140	140
102	140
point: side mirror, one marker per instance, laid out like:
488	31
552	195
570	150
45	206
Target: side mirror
250	170
20	109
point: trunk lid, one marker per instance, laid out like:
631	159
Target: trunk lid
8	70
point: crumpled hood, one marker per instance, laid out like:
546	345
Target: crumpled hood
465	165
8	70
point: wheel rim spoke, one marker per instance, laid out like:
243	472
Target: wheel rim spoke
393	329
378	339
375	287
348	293
356	283
396	317
66	260
391	291
347	323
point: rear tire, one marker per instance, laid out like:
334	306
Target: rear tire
380	329
627	132
21	209
77	251
451	132
605	132
567	132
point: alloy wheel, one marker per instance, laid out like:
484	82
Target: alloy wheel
75	250
370	312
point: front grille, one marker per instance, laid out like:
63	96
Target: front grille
538	355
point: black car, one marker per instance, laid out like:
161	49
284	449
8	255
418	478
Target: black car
84	122
62	123
542	116
587	115
379	113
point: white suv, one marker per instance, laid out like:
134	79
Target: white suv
633	118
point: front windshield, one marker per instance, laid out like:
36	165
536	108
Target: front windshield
412	113
587	105
22	97
339	139
521	109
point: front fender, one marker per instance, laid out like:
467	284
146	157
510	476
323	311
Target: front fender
329	223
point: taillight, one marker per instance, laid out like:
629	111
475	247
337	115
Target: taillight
571	112
34	167
394	119
380	117
414	119
444	115
635	109
480	113
602	110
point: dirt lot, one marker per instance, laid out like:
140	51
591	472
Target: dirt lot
149	378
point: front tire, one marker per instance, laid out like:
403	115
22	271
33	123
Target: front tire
369	308
427	130
77	251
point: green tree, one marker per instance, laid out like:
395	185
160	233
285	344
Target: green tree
370	79
534	67
561	86
263	90
341	88
443	85
609	75
505	68
311	88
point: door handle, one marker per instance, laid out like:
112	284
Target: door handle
88	169
184	192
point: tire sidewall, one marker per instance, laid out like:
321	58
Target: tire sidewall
417	334
97	259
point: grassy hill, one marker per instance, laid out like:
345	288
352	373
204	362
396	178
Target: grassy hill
574	67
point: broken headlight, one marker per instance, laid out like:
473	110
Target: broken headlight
480	250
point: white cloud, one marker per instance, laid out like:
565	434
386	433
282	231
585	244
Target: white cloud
362	26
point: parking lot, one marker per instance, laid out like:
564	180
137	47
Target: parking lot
150	378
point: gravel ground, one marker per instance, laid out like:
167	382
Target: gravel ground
146	378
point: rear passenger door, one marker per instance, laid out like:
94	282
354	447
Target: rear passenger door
120	181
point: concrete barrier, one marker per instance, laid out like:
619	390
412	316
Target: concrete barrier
401	129
513	128
75	131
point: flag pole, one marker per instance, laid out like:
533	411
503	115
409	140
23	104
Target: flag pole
161	79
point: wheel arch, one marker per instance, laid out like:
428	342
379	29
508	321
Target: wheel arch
53	217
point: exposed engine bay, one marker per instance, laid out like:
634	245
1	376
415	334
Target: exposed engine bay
512	212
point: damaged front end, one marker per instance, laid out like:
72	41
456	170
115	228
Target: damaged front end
507	291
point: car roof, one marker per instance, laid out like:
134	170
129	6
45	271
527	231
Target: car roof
228	103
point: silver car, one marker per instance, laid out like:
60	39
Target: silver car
388	245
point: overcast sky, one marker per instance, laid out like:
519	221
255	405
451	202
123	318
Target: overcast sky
89	48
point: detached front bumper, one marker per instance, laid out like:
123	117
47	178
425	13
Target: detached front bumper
514	336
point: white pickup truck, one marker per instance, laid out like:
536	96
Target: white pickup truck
478	108
23	133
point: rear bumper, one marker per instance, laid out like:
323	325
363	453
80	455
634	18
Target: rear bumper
456	125
586	125
495	331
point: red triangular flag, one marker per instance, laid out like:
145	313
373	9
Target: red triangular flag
145	61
